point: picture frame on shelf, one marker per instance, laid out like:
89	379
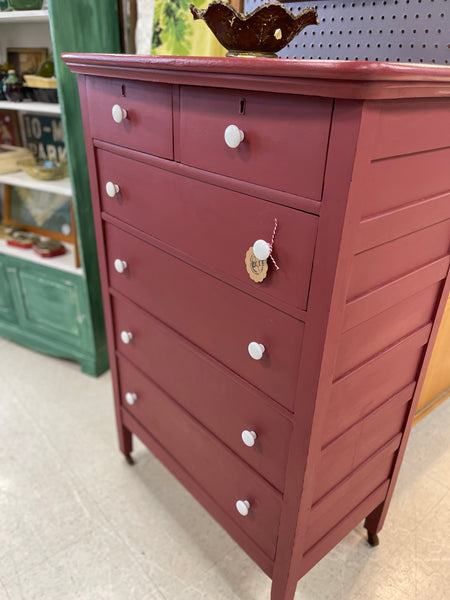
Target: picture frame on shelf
9	128
26	60
44	213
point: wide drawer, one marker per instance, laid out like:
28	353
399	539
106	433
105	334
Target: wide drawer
217	317
148	122
224	477
214	225
285	137
220	401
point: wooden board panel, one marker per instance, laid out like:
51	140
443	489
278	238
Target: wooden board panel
411	126
398	181
343	456
371	304
436	387
360	392
402	221
369	338
334	507
385	263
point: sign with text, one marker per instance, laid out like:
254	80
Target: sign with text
44	136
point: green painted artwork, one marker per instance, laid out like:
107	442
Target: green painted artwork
175	33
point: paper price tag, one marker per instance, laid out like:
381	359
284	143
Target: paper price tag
257	269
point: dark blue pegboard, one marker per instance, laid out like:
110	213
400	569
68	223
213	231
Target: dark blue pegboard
416	31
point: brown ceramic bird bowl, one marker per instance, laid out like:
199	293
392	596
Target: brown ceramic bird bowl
262	32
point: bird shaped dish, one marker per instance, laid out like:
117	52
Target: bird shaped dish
263	32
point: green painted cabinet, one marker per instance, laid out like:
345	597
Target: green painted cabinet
45	308
8	312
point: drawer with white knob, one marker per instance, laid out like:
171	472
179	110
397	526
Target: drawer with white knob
220	319
213	225
203	455
249	136
248	422
132	114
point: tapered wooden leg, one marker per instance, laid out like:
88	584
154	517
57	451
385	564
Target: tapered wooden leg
374	523
126	443
372	538
283	589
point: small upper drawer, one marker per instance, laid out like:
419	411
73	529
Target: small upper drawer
226	405
145	125
284	142
213	225
215	316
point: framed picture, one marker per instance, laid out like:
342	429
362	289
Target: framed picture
9	128
47	214
26	60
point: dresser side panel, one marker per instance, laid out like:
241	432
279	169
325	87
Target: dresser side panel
370	377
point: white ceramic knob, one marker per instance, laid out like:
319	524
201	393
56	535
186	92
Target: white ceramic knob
112	189
126	336
261	249
120	265
243	506
118	113
233	136
249	438
256	350
130	398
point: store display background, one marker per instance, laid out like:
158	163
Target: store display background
415	31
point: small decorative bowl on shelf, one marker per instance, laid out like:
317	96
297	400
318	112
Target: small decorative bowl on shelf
26	4
44	169
41	89
263	32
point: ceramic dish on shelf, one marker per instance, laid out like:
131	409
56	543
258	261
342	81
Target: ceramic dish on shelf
44	169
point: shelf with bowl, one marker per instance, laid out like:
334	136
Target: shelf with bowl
48	108
25	16
22	179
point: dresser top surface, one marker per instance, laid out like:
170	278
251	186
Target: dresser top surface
332	78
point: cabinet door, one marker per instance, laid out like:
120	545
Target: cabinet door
7	310
49	303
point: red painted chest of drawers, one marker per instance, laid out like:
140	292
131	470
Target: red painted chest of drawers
290	448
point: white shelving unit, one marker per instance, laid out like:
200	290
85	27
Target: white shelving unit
47	108
40	36
65	262
55	186
25	16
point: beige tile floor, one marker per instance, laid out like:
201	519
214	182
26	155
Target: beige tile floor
76	522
